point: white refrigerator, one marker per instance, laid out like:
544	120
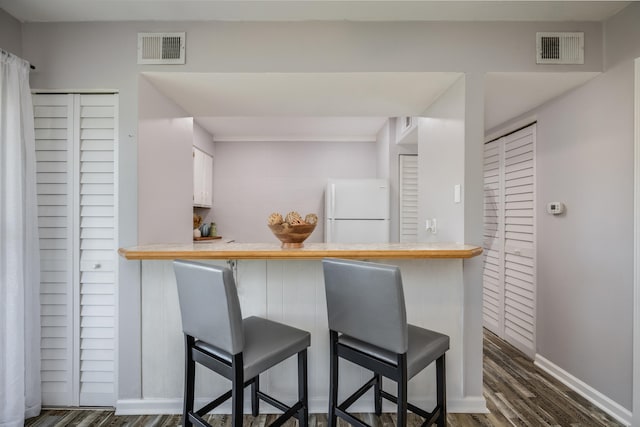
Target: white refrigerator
357	211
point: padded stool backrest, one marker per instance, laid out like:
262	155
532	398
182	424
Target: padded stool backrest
365	301
209	305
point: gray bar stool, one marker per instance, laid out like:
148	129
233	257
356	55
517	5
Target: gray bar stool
239	349
368	327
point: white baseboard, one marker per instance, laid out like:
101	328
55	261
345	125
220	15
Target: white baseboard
612	408
467	405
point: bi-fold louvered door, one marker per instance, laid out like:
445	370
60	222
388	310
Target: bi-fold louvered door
76	174
408	197
509	275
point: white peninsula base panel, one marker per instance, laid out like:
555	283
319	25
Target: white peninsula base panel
292	292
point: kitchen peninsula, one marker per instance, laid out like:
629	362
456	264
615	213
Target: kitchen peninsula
287	285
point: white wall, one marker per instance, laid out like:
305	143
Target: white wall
388	167
585	260
383	148
585	257
165	178
166	134
102	55
10	33
441	144
203	140
449	154
254	179
472	196
621	34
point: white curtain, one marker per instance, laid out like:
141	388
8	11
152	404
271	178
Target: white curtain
20	395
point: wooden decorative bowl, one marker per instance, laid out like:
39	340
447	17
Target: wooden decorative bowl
292	236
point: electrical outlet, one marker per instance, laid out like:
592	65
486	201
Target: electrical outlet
431	225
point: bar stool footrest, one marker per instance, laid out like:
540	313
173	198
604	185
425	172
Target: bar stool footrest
350	418
357	395
273	402
430	417
218	401
213	404
292	411
289	411
198	420
341	410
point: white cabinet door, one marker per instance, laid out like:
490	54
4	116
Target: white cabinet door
509	275
197	177
207	178
77	205
202	178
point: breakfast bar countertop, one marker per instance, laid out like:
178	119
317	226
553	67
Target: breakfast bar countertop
234	250
287	285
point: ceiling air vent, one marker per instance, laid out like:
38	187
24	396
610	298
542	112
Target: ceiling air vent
560	48
161	48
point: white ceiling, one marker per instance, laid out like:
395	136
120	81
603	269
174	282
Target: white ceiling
303	10
296	129
340	106
303	94
306	106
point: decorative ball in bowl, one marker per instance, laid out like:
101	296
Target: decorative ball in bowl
292	230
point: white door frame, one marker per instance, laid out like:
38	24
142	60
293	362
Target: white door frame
636	253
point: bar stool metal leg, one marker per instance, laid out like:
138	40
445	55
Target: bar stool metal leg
441	390
189	382
303	395
333	379
237	391
255	402
377	396
402	390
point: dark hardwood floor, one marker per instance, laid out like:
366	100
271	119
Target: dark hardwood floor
517	394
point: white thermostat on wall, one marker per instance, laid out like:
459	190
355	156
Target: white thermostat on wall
555	208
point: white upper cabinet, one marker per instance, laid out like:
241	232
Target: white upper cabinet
202	179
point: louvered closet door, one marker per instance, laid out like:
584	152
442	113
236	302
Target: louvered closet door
408	198
97	252
55	158
492	275
76	197
509	280
519	240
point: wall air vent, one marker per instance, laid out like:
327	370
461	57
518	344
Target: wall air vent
560	48
161	48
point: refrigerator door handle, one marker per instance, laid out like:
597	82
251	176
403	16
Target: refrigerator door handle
332	206
330	214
